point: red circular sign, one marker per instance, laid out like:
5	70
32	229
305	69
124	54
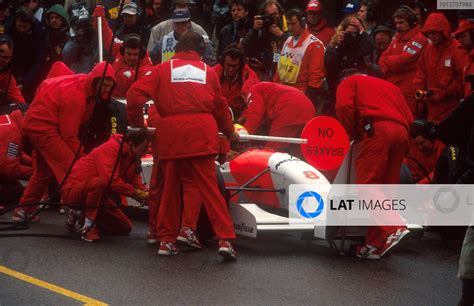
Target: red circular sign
327	145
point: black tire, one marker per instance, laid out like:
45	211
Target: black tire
204	228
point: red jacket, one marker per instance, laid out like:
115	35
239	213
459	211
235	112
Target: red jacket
363	96
190	107
8	85
12	163
231	89
59	69
323	32
398	62
63	103
468	69
440	68
100	163
125	75
278	105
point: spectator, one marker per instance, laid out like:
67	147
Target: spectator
351	8
399	61
10	92
131	23
155	12
301	63
236	30
165	49
57	28
4	12
220	16
30	52
420	10
234	74
465	35
316	23
440	69
165	27
382	37
263	42
368	15
351	47
33	6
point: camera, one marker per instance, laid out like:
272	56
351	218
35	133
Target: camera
350	37
268	20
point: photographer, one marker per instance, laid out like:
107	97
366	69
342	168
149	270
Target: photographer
350	48
234	31
264	41
81	51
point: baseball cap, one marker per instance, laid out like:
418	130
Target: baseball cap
130	9
352	6
180	16
314	6
464	25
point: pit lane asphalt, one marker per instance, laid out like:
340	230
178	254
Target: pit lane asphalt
274	269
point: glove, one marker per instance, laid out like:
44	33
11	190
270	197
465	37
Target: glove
99	11
234	136
140	195
423	128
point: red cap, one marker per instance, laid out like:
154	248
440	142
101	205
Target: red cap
314	6
464	25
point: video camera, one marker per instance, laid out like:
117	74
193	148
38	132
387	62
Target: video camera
268	20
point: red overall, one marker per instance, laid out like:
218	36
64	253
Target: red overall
379	158
398	62
52	123
440	68
14	164
283	109
190	108
88	181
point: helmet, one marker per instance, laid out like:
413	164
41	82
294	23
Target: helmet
242	144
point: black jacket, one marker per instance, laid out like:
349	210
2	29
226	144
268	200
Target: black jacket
258	44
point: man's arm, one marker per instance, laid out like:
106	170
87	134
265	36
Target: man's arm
399	62
141	92
105	158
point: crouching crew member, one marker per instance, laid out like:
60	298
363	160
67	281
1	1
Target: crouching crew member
88	182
